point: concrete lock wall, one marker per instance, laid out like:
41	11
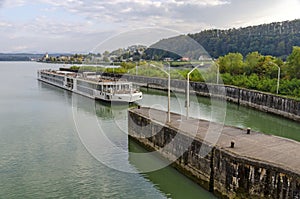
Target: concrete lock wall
240	177
267	102
226	174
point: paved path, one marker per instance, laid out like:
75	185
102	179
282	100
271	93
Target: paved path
257	146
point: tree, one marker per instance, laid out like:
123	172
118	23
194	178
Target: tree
268	39
232	63
105	59
293	63
251	62
106	53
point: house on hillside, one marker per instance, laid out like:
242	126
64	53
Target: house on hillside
184	59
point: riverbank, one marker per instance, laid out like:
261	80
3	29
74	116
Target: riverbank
258	165
267	102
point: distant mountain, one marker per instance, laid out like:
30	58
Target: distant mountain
17	56
276	39
25	56
176	48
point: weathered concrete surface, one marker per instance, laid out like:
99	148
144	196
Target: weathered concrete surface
259	165
267	102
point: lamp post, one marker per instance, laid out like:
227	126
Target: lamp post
278	77
169	93
278	80
188	90
218	72
169	90
136	68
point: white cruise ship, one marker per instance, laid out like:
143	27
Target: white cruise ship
91	85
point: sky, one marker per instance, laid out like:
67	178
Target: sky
82	26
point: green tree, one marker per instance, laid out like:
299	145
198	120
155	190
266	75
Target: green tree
231	63
106	53
251	62
293	63
105	59
128	65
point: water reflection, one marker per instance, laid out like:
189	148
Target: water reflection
168	180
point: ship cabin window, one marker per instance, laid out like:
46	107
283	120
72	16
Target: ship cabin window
99	88
113	87
125	86
106	87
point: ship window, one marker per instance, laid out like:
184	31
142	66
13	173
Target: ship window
125	87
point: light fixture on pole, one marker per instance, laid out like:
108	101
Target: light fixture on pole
188	90
278	77
218	72
169	90
278	80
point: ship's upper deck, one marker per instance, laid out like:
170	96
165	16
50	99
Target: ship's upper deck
89	77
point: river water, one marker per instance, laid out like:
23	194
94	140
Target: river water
43	155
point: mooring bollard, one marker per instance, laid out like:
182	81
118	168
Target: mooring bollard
232	144
139	107
248	130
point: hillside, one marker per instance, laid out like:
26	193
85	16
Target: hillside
17	56
24	56
276	39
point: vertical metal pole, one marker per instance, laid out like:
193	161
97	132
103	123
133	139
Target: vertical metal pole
218	73
169	90
136	69
169	95
187	96
188	91
169	98
278	80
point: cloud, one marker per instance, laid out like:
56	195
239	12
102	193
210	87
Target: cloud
5	25
53	22
122	11
184	16
192	15
19	48
14	3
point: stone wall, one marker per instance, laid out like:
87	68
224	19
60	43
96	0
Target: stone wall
236	176
267	102
226	174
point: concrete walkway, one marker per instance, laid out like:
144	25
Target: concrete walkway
257	146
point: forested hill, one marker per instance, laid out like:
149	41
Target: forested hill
276	39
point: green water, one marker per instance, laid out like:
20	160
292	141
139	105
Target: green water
43	153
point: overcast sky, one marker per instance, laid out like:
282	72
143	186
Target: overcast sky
93	25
